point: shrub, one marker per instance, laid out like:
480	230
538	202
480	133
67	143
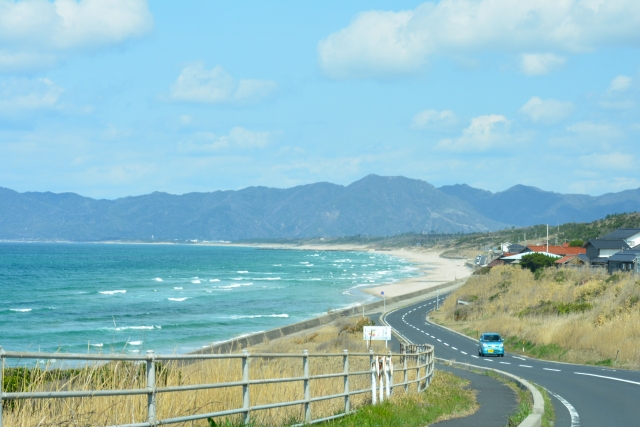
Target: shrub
536	261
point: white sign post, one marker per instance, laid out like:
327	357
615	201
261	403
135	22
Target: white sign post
377	333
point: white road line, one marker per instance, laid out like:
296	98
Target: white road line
454	348
461	351
446	344
488	360
526	366
609	378
554	370
439	340
505	363
516	357
575	418
474	356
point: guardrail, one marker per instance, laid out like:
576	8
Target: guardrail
423	367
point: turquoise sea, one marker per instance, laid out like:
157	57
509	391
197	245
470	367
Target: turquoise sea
171	298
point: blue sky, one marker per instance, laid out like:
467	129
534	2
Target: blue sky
110	98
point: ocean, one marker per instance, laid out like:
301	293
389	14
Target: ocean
171	298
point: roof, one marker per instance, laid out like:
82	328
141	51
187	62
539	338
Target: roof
566	259
516	247
600	260
558	250
625	256
520	255
607	244
621	233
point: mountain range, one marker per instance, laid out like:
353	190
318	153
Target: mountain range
373	205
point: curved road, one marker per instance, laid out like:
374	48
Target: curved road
585	396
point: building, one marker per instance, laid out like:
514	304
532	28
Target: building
516	248
631	236
563	250
601	249
573	261
625	261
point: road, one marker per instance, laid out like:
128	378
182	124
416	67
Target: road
584	396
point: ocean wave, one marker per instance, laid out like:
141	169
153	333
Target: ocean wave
122	291
242	272
178	299
277	265
135	342
157	279
97	345
254	316
237	278
196	281
20	310
265	278
126	328
214	280
179	288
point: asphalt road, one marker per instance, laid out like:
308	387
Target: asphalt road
584	396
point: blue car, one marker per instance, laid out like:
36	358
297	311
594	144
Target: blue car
491	344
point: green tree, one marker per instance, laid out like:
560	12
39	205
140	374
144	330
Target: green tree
535	261
576	243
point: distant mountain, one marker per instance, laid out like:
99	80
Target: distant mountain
522	205
374	205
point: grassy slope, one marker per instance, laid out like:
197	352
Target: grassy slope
566	315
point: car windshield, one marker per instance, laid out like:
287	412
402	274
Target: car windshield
492	338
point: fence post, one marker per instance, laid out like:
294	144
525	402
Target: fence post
345	365
373	377
380	372
307	389
1	381
418	361
246	402
406	370
389	375
151	386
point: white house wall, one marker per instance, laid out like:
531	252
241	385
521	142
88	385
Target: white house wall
606	253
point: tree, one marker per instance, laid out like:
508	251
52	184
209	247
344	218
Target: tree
576	243
535	261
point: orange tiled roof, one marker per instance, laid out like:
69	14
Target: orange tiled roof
558	250
565	259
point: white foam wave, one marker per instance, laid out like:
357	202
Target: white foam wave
21	310
237	278
196	281
97	345
277	265
242	272
265	278
126	328
179	288
178	299
157	279
214	280
122	291
135	342
255	316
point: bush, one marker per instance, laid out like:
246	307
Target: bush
536	261
576	243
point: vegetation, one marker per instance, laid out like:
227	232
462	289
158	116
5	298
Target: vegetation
571	315
535	261
449	397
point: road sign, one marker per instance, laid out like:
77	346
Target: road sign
377	333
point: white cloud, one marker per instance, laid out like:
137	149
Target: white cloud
36	34
216	86
546	110
19	96
610	161
484	133
382	43
604	185
433	119
203	142
594	130
620	84
533	64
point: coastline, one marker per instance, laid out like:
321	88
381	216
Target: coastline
434	269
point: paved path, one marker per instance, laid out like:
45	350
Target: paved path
497	401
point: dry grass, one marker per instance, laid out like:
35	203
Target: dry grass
119	410
580	316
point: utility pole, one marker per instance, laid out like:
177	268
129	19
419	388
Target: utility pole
547	238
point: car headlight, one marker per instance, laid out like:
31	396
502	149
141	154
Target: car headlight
485	345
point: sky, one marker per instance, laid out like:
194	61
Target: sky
113	98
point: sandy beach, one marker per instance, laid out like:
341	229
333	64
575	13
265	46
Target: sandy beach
435	269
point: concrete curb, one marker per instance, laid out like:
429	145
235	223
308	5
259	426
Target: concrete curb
535	418
260	337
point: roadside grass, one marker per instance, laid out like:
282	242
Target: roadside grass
447	397
115	410
568	315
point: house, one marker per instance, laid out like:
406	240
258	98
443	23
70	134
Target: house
631	236
573	261
516	248
625	261
515	259
599	250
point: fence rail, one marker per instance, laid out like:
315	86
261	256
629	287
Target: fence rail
380	368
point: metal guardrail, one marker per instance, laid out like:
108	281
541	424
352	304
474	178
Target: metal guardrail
424	368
